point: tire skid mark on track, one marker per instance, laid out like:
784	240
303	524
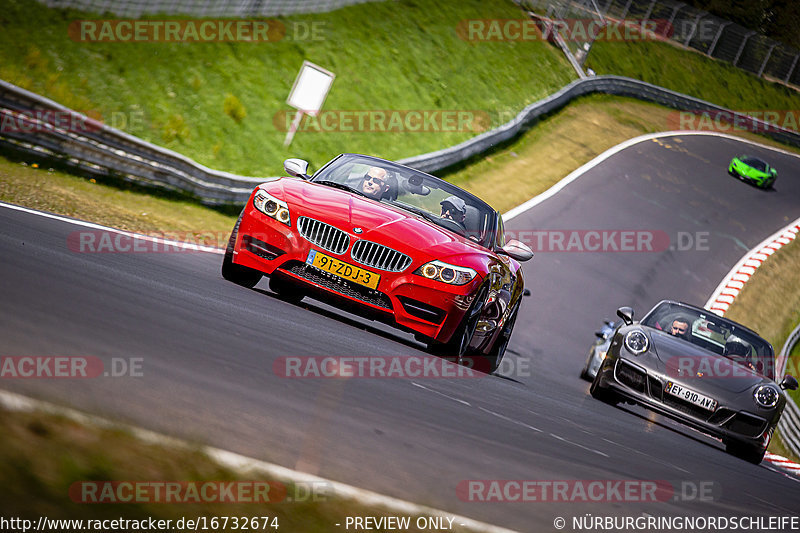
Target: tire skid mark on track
517	422
463	402
562	439
650	457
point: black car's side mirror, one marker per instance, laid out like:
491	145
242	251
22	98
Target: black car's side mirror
789	382
599	334
626	314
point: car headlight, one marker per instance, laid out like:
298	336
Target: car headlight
636	342
272	207
444	272
766	396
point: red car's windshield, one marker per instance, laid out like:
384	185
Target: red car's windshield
422	194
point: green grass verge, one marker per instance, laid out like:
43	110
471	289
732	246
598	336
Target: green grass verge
42	455
692	73
216	102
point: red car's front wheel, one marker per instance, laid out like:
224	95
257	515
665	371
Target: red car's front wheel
241	275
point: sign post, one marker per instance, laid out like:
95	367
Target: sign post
308	94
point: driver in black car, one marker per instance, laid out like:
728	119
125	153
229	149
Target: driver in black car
455	209
680	328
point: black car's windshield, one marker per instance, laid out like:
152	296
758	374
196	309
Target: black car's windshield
714	333
431	198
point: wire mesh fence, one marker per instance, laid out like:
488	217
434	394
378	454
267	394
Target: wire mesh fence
676	21
203	8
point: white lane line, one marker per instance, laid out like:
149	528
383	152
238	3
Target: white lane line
442	394
562	439
164	242
577	173
246	465
507	419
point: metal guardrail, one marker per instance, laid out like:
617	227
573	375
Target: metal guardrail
36	125
615	85
688	26
789	424
103	150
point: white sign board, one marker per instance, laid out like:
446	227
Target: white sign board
310	88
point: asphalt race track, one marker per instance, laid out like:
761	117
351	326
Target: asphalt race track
208	346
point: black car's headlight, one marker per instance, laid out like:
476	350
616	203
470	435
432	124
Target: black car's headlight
766	396
636	342
272	207
444	272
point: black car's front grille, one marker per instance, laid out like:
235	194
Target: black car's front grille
379	256
656	387
323	235
630	376
720	416
339	285
747	424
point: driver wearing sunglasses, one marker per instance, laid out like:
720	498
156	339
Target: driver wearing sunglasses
374	184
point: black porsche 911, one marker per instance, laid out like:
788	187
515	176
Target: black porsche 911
703	370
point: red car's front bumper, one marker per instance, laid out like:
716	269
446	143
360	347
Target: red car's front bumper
431	308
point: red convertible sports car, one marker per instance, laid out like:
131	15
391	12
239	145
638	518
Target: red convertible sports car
390	243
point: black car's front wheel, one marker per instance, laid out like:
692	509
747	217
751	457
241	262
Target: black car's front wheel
601	393
751	454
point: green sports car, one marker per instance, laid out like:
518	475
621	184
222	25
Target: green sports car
754	170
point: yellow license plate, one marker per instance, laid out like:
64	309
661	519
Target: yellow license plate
343	270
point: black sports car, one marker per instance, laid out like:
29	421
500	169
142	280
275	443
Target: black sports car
698	368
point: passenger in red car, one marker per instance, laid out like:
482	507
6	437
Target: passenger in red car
455	209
